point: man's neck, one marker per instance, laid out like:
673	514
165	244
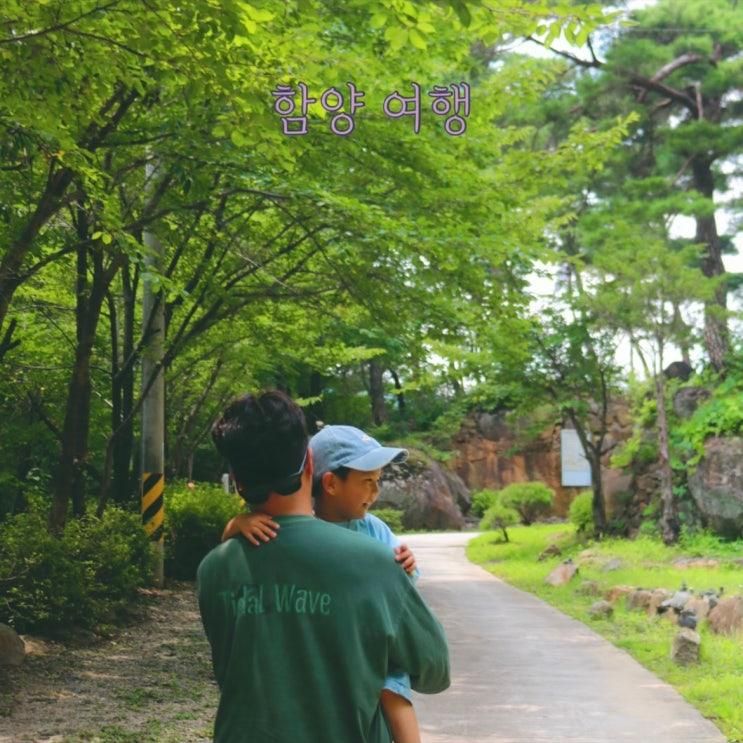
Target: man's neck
298	504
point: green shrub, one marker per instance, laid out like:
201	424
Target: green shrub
528	499
84	578
482	500
392	517
194	521
581	512
499	516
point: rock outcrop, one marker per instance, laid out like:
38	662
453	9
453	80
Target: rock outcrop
717	485
489	454
425	492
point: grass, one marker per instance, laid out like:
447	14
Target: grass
715	685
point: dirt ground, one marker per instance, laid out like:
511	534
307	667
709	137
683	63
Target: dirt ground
149	683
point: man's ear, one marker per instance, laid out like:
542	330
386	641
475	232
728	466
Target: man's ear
328	483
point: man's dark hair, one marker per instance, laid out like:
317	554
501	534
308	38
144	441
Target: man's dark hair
341	472
264	440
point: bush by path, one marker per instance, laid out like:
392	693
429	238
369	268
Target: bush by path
194	520
715	686
87	577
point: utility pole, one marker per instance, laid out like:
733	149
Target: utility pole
153	407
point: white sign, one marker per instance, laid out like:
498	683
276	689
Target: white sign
576	470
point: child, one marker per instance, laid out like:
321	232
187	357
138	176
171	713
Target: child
348	464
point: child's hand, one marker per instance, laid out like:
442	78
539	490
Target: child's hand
253	526
406	558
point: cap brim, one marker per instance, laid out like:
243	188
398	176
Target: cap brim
378	458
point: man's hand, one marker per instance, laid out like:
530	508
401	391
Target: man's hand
406	558
253	526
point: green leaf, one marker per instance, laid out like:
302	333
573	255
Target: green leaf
416	39
397	37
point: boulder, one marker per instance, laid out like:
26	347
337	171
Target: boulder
460	492
562	574
717	485
425	492
657	597
12	648
639	599
613	564
616	592
678	370
686	645
601	610
688	399
695	562
677	602
699	606
552	551
727	617
589	588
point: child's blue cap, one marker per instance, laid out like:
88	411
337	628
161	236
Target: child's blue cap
346	446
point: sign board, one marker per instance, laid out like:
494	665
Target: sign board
576	471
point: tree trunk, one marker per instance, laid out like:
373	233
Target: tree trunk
592	453
716	336
399	394
122	394
670	527
69	481
598	505
681	331
376	392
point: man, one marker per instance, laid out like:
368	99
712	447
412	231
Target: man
305	628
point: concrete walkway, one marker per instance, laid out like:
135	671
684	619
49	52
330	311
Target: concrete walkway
522	671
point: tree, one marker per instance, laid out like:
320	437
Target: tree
678	68
574	367
642	282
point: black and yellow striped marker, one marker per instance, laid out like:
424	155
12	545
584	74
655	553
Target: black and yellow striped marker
153	510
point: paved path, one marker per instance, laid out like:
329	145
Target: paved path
522	671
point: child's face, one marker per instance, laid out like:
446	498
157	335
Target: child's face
351	498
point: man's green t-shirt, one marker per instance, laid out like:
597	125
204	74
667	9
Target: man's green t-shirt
304	630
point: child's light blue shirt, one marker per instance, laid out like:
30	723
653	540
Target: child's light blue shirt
397	682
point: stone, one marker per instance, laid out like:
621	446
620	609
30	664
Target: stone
686	646
727	617
678	370
695	562
688	399
425	493
587	556
460	492
699	606
613	564
616	592
677	602
37	646
562	574
12	648
589	588
601	610
687	618
552	551
639	599
657	597
717	485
